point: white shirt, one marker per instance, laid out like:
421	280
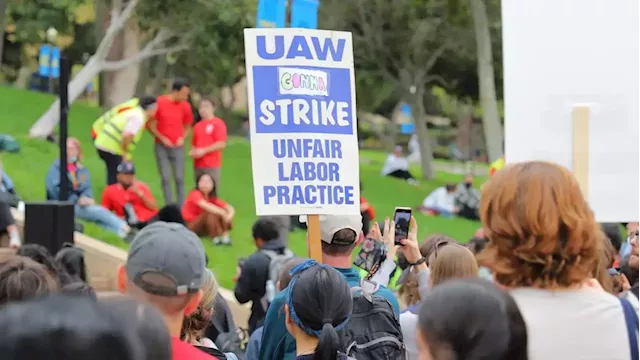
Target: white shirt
394	163
577	325
440	199
135	122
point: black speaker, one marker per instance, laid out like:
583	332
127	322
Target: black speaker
49	224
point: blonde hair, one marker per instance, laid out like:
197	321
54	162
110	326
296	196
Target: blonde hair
452	261
194	324
408	290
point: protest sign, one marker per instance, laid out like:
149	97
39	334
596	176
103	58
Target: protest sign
302	115
571	94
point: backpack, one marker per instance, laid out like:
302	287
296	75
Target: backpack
373	331
276	263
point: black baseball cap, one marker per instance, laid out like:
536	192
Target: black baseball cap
126	168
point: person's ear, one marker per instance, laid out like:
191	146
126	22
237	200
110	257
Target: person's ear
193	303
278	286
288	319
359	239
121	279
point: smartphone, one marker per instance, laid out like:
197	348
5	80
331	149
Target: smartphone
402	218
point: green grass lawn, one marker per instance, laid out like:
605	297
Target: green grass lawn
29	167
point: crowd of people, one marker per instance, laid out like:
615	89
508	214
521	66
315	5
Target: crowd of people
540	280
127	204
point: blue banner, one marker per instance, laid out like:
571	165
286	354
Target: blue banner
304	14
271	13
49	61
55	62
43	60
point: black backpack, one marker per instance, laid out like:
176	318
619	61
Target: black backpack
373	331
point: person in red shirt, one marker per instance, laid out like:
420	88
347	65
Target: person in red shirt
166	268
206	214
367	212
208	141
170	126
130	198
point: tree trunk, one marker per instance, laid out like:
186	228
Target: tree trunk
48	121
490	116
159	74
123	83
3	17
420	119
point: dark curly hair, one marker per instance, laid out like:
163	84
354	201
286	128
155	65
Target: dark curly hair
540	228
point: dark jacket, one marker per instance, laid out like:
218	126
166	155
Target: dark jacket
253	279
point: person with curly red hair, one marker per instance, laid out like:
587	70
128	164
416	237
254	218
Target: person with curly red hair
544	244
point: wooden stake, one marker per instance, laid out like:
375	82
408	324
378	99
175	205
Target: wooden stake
313	237
581	116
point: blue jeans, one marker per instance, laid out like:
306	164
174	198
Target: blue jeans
101	216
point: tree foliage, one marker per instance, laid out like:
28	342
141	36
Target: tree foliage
215	58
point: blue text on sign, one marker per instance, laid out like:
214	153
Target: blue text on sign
292	113
301	47
309	195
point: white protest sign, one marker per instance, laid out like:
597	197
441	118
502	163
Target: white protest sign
563	54
302	114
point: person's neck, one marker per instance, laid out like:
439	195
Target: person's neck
305	344
173	97
174	324
208	116
339	262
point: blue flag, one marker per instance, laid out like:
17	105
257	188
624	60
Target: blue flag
304	14
271	13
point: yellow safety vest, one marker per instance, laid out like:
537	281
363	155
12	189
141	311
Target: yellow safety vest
496	166
99	123
109	138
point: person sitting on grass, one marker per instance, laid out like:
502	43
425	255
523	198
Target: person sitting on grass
132	200
80	192
396	165
206	214
467	199
441	202
8	198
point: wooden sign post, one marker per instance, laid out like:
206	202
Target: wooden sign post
314	242
581	114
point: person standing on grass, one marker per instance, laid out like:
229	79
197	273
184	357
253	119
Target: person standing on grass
116	133
206	214
170	126
209	139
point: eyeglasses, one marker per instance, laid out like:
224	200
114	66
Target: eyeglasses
439	244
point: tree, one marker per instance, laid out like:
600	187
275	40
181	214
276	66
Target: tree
167	26
217	61
400	41
486	77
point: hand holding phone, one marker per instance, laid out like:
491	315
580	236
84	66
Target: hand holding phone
401	219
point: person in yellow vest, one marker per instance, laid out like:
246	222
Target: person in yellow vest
496	166
117	132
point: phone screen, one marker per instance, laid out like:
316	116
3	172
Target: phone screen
402	218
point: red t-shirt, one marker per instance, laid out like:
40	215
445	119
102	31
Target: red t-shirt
190	208
115	197
171	117
183	351
205	133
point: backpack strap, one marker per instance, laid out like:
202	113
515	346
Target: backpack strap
631	320
367	288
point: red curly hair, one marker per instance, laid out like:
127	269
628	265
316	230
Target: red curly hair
540	228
